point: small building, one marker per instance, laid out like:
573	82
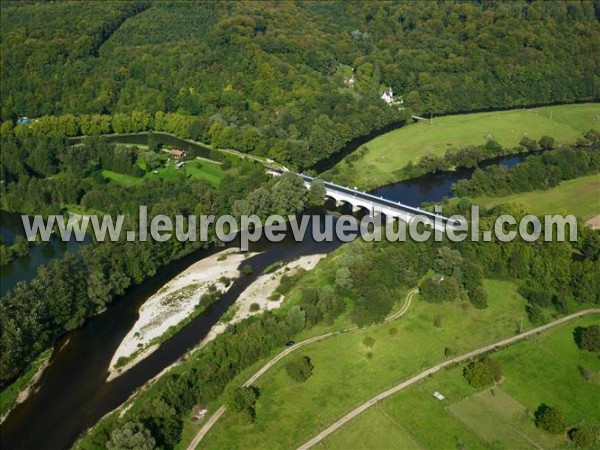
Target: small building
180	164
198	413
439	396
388	96
23	120
177	153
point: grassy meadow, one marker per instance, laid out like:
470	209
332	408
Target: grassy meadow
387	154
199	169
542	369
346	373
580	196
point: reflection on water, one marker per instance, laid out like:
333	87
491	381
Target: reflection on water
73	393
25	267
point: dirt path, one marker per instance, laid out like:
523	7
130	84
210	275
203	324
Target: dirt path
219	412
355	412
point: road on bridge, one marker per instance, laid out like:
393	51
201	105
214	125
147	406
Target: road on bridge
355	412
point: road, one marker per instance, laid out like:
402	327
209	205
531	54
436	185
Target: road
219	412
355	412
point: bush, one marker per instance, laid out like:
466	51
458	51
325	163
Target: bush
478	297
588	338
550	419
582	437
299	369
369	342
483	372
438	289
243	401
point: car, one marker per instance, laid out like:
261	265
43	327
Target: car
289	343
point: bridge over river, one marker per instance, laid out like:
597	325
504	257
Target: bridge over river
379	205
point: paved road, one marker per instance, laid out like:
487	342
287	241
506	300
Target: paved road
355	412
219	412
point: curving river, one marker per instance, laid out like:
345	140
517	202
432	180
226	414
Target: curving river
73	393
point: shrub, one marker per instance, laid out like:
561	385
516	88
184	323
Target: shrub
550	419
583	437
242	401
588	338
369	342
299	369
483	372
254	307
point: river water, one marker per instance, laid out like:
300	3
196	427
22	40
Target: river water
73	393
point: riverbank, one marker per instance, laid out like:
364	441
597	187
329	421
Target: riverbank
177	301
383	159
260	293
21	389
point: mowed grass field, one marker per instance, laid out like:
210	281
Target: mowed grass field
580	197
344	376
389	153
542	369
204	170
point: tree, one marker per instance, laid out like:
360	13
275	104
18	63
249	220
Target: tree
288	195
583	437
550	419
588	338
437	289
131	435
299	369
152	160
478	297
447	260
343	280
483	372
243	401
368	342
546	143
316	192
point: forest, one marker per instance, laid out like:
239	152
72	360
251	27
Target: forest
273	78
46	175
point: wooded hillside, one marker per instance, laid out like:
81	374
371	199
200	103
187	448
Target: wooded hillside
273	78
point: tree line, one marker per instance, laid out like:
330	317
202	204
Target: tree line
362	280
275	79
542	171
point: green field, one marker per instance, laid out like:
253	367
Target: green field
202	170
580	197
288	413
501	421
389	153
360	434
541	369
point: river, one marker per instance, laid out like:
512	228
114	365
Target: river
73	393
25	268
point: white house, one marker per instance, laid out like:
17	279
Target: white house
388	96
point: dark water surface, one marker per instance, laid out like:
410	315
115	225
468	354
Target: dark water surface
25	268
73	393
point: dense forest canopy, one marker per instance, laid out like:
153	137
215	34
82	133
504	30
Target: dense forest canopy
272	77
